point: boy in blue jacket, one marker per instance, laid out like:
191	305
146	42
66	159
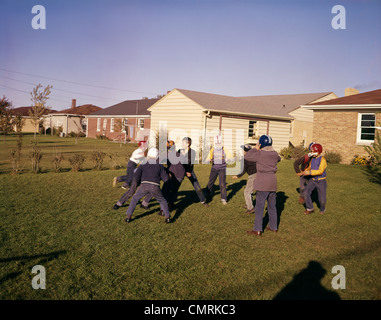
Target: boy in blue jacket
150	175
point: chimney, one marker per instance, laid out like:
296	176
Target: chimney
73	103
351	91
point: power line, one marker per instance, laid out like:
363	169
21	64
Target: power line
77	83
72	92
23	91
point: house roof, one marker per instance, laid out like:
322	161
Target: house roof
370	97
80	110
270	105
127	108
24	111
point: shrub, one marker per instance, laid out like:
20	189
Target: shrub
374	150
97	157
76	162
361	161
36	157
101	137
292	152
57	159
114	161
333	157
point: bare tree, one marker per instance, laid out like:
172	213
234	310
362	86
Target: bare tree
5	116
39	98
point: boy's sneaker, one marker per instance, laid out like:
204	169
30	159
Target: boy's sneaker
116	207
204	204
308	211
224	202
250	211
160	213
322	212
301	200
144	207
128	220
114	181
167	220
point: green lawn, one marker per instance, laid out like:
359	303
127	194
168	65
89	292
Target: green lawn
64	221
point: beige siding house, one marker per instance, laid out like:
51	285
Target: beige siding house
345	125
241	120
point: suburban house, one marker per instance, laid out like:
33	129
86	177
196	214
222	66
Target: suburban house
240	119
70	120
29	125
125	121
345	125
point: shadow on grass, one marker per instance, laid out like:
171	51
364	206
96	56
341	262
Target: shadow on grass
43	258
231	190
185	199
373	174
306	285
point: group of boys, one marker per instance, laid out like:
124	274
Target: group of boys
260	163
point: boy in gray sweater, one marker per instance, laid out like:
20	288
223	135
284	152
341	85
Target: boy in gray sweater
265	183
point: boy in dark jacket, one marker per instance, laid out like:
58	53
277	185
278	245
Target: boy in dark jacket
300	165
250	168
150	175
189	156
265	183
177	171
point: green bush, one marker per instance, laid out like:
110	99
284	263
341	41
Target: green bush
333	157
292	152
97	157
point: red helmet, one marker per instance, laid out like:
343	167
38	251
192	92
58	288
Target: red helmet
317	147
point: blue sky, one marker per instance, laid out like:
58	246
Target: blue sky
130	49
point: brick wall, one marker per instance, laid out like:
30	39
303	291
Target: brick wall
117	134
336	131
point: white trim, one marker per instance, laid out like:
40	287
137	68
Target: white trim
112	125
358	136
117	116
342	106
98	124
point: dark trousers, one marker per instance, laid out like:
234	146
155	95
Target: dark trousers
131	166
196	186
260	201
221	174
146	189
130	192
303	183
171	189
321	186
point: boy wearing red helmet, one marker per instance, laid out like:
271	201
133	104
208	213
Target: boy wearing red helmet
318	180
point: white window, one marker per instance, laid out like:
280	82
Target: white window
252	129
112	125
84	124
141	123
104	124
124	125
366	128
99	124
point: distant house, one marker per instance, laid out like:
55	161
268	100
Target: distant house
345	125
29	125
70	120
125	121
241	119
